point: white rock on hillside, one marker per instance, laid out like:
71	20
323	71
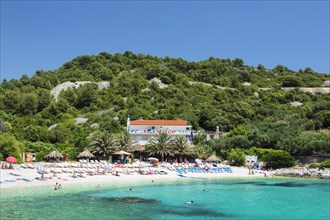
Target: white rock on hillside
295	104
80	120
326	83
159	83
246	84
208	84
52	126
95	125
64	86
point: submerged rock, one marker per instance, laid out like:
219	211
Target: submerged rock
130	200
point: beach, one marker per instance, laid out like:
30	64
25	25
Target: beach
20	177
236	195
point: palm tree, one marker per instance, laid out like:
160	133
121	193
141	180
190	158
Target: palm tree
103	144
203	151
181	146
160	145
126	143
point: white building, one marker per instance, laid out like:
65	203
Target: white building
142	131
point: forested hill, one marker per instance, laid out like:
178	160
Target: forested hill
209	93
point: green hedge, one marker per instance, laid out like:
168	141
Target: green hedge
278	159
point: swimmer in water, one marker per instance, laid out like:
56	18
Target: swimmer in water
191	202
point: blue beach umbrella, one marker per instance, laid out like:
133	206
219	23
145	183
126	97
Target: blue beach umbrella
42	169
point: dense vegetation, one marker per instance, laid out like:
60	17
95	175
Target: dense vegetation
250	116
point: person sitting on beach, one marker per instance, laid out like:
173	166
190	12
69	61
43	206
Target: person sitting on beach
56	186
74	174
191	202
98	186
59	186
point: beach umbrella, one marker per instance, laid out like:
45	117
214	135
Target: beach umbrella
42	169
121	153
86	153
198	161
153	159
213	158
11	159
54	154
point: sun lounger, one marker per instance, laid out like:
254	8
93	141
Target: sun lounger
228	170
25	179
15	174
24	166
30	166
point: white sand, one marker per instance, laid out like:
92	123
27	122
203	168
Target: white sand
65	178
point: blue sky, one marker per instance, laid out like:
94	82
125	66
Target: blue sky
44	35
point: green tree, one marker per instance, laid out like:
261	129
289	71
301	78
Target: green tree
278	159
237	62
181	146
29	104
126	143
160	144
203	151
237	157
9	146
103	144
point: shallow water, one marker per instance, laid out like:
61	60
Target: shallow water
222	199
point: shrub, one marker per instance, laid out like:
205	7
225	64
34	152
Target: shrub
278	159
9	146
237	157
314	165
325	164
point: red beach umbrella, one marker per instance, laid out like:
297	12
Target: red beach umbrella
11	159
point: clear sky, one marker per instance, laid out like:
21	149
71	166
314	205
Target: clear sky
44	35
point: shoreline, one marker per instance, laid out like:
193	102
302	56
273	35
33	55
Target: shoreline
67	179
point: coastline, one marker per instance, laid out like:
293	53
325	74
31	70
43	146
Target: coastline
27	177
123	179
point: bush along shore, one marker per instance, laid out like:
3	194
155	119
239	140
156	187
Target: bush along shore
303	172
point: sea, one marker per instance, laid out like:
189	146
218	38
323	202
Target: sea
230	198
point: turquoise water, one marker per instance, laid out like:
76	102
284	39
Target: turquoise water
263	198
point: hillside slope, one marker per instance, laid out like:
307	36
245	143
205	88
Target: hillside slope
209	93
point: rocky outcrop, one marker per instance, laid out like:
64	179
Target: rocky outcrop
295	104
309	89
304	89
326	83
64	86
52	126
211	85
159	83
79	121
303	172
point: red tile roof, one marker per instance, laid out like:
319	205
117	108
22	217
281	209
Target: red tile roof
160	122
